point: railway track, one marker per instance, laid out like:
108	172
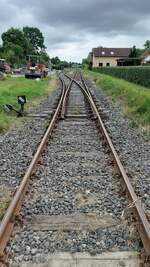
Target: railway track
76	203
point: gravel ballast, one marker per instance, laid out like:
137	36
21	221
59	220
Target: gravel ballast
130	142
18	145
77	179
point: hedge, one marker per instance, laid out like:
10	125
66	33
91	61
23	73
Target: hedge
139	75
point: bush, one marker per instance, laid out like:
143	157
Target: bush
139	75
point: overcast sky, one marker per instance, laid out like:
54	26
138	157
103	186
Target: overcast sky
73	27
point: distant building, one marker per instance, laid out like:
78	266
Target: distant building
145	56
105	57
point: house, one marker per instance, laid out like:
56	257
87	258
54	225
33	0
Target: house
145	56
105	57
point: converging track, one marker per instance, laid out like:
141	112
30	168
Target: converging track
81	207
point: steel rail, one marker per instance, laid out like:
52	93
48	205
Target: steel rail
86	93
7	223
65	97
143	224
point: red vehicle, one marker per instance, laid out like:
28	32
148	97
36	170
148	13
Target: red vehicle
35	69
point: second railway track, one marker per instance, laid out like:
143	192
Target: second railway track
76	203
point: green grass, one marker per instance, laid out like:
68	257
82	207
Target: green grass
138	74
12	87
134	99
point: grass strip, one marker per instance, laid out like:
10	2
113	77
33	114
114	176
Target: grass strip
138	74
134	99
10	88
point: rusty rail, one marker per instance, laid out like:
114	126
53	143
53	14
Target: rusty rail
7	224
143	224
13	210
65	97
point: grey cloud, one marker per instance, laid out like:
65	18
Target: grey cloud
75	22
7	11
92	15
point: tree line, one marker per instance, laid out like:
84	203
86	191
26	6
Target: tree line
17	44
58	64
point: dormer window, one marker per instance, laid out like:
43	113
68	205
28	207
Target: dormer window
103	52
112	52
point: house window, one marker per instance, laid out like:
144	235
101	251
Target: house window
103	52
100	64
108	64
112	52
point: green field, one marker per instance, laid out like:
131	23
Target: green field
10	88
134	99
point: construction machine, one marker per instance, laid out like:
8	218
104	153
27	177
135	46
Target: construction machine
35	69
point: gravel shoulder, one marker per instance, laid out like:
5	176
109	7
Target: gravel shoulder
75	204
132	145
18	145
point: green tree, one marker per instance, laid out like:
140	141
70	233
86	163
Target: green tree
147	44
86	63
14	54
19	43
133	52
1	51
44	58
55	60
16	37
15	46
35	37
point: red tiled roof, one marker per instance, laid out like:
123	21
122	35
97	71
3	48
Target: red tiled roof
111	52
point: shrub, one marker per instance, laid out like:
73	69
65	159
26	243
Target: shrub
139	75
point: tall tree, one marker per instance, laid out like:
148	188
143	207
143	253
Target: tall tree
16	37
55	60
17	44
147	44
133	52
44	58
35	37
